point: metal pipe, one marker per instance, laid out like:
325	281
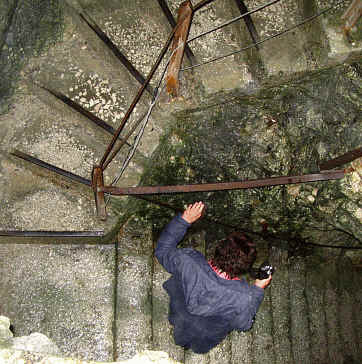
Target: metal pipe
44	233
343	159
166	10
50	167
222	186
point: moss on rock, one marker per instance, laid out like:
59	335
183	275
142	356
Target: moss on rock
286	129
26	29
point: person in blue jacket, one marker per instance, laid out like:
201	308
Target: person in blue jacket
206	300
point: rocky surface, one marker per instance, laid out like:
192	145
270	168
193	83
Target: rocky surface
38	349
283	130
281	110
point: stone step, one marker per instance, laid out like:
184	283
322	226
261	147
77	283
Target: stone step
315	288
350	338
335	347
107	303
133	322
47	129
313	45
62	291
299	328
280	300
80	62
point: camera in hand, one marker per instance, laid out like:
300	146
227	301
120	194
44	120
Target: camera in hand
264	271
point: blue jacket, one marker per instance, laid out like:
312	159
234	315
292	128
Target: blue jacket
204	307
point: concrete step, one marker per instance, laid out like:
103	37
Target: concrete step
349	335
107	303
315	288
48	130
280	300
62	291
133	322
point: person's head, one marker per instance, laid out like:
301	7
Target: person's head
235	254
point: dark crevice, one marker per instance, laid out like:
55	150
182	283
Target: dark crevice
115	302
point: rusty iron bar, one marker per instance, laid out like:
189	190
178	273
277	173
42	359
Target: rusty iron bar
184	19
124	60
351	16
97	184
248	21
92	117
343	159
222	186
51	234
136	99
123	142
50	167
166	10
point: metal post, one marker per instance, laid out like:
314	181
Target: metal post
163	4
178	47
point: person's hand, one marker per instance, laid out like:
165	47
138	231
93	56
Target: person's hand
193	212
263	283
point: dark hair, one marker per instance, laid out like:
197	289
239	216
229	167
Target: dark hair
235	254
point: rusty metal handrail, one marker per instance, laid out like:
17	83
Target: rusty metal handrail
166	10
223	186
136	99
343	159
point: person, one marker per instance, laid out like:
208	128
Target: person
207	300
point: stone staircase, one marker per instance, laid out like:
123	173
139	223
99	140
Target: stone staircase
81	67
105	301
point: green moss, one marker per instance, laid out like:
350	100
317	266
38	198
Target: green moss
31	27
284	130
